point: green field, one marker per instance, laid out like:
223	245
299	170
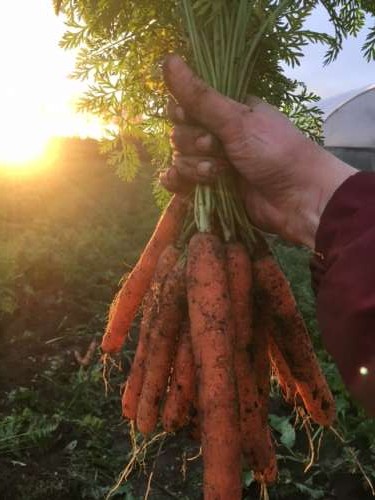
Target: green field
67	236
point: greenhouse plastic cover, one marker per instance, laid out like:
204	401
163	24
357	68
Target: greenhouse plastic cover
349	118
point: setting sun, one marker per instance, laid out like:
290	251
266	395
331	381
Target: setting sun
37	98
11	154
23	142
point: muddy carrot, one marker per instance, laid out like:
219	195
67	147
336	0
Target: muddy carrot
212	333
260	360
182	387
134	382
129	298
270	473
194	421
161	348
293	341
253	430
282	372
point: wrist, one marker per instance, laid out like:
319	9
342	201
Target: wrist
323	175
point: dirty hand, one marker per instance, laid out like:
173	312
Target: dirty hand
286	179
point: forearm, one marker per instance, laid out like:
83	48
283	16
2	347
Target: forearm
344	278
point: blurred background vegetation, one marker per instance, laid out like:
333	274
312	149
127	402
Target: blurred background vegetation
67	235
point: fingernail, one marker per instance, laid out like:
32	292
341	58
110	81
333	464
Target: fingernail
204	142
180	114
204	168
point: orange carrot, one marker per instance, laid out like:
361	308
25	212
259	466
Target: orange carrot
253	431
282	372
261	362
260	359
212	334
194	421
134	382
129	298
182	387
270	473
161	348
293	341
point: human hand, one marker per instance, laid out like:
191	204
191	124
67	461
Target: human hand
286	179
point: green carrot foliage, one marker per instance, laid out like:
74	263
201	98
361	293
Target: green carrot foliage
120	46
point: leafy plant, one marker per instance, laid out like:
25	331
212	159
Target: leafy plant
286	430
8	301
121	45
60	436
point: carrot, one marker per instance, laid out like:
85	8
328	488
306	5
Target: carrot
270	473
293	341
194	421
261	362
212	334
260	359
282	372
134	382
182	387
253	431
161	348
129	298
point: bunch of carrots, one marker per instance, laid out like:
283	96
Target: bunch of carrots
218	315
216	322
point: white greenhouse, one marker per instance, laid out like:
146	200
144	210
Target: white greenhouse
349	127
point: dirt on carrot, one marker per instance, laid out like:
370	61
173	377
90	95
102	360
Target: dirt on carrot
180	396
253	430
282	372
161	349
129	298
293	340
212	332
134	382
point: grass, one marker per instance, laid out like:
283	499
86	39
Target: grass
65	241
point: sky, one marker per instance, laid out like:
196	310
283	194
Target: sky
37	95
350	71
34	84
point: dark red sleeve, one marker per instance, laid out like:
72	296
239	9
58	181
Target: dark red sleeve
343	273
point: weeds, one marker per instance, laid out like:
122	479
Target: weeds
63	248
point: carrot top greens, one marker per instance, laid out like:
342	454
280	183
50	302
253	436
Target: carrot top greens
240	47
225	39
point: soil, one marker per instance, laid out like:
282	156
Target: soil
81	455
24	359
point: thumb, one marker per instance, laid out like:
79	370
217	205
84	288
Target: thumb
204	104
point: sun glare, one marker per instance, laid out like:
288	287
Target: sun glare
24	133
23	147
37	99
